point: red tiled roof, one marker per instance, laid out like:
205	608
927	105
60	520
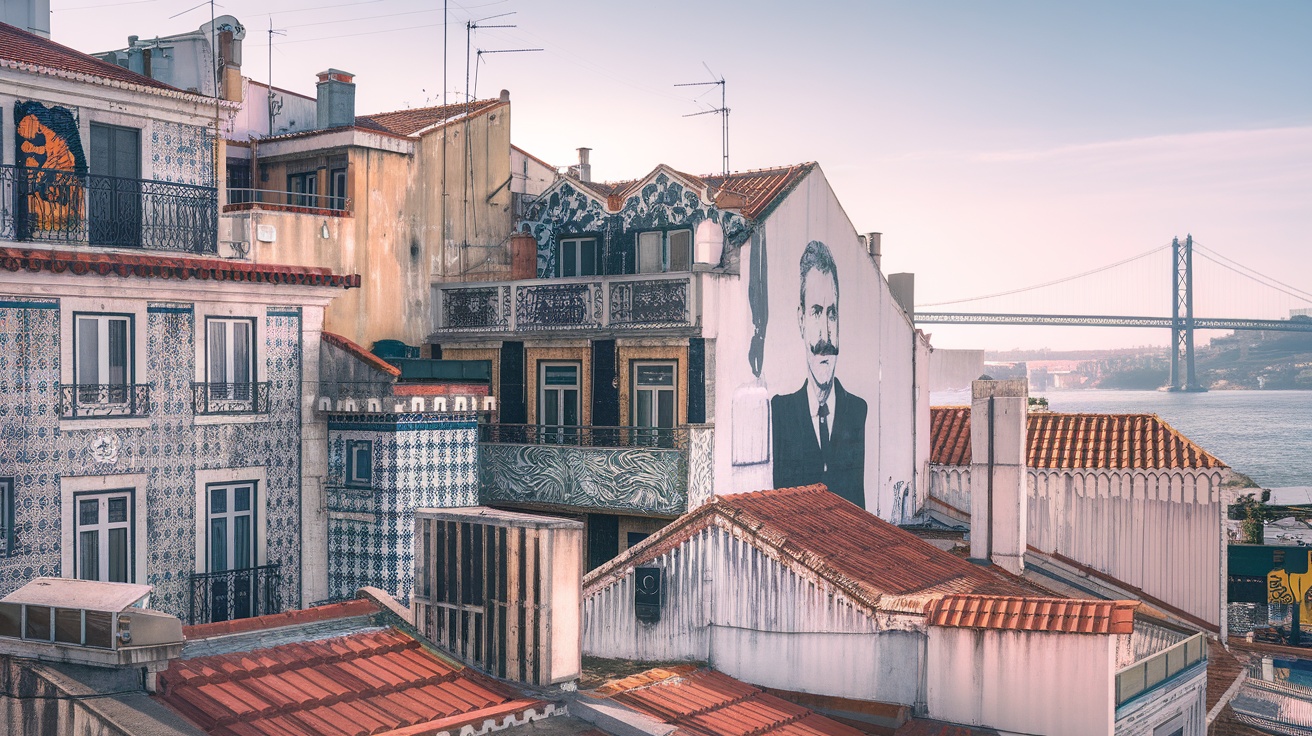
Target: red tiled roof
359	352
19	46
409	122
368	682
708	703
876	563
1089	441
169	267
757	191
1059	615
300	617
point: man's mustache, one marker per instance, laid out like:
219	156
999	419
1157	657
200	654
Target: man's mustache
824	347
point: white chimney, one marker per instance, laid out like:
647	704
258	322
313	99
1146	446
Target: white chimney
584	168
875	247
998	476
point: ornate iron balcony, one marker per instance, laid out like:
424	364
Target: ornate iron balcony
68	207
230	398
233	594
91	400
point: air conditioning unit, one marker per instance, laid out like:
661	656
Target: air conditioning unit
501	590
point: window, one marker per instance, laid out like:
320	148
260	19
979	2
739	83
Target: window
579	257
230	359
337	189
558	395
305	185
102	368
653	406
6	516
664	251
359	462
231	526
114	196
239	181
102	536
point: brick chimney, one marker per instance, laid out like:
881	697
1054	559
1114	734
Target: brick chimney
335	106
998	476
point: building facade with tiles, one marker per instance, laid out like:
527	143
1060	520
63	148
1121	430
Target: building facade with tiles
153	412
1122	496
673	337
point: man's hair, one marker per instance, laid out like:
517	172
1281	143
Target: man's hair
816	257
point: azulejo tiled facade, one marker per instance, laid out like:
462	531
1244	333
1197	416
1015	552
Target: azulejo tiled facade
167	448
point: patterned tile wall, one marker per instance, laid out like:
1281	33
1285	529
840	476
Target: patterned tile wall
36	453
419	461
181	153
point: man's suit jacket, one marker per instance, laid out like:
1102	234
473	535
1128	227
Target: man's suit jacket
797	457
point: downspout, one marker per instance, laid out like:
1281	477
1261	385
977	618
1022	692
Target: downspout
992	441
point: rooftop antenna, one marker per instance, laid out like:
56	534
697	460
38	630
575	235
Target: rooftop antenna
470	27
275	106
722	110
479	58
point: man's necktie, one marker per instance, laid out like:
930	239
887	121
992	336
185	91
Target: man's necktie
824	432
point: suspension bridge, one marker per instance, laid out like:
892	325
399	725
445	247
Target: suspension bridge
1127	279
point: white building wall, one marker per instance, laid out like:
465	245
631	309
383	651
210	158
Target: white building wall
1022	681
875	351
753	618
1180	705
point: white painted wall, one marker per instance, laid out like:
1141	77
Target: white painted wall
1180	705
875	350
752	618
1023	682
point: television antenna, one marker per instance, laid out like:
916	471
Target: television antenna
479	58
470	27
722	111
275	105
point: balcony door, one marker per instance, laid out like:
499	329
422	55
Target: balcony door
114	186
558	402
653	403
233	585
103	536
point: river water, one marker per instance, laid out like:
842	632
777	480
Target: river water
1267	435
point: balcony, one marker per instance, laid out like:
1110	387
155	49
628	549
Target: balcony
44	205
92	401
661	301
616	469
230	398
234	594
244	199
1161	656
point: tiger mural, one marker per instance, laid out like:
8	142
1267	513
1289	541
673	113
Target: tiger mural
49	195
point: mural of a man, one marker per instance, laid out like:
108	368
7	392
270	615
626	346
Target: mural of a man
819	430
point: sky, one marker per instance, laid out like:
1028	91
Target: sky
996	145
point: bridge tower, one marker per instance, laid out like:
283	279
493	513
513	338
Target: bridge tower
1182	316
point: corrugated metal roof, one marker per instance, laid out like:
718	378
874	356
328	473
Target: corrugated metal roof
1078	441
22	47
369	681
709	703
1060	615
409	122
822	535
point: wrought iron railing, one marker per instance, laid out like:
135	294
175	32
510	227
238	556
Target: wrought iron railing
671	438
638	301
1148	673
68	207
281	198
230	398
90	400
234	594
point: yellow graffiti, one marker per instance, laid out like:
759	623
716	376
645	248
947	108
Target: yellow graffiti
54	193
1282	587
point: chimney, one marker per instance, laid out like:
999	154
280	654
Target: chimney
335	106
505	95
903	288
998	476
584	168
874	246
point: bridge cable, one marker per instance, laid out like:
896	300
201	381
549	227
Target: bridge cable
1303	297
1154	251
1235	265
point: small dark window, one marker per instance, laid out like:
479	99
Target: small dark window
303	188
11	619
337	189
579	257
6	516
38	623
359	463
635	537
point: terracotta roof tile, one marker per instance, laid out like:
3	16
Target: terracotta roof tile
19	46
708	703
182	268
754	193
1060	615
409	122
366	682
1084	441
359	352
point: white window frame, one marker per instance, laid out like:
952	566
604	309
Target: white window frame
102	368
558	431
102	527
74	306
255	474
635	389
577	261
6	517
72	487
352	464
665	249
231	514
229	325
256	314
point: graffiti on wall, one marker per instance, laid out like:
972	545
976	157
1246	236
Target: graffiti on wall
1292	588
663	202
629	479
48	194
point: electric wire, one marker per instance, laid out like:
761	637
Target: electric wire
1063	280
